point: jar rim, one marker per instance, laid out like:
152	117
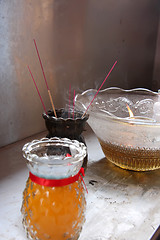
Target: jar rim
33	158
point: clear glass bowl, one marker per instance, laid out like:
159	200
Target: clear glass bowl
129	142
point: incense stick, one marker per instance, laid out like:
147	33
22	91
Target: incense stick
100	88
37	89
49	93
73	103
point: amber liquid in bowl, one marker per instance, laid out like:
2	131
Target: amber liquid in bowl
55	213
138	159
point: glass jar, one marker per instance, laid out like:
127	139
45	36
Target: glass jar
54	203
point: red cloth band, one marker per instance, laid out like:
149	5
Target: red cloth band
56	182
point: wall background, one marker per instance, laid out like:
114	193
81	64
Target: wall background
156	72
78	42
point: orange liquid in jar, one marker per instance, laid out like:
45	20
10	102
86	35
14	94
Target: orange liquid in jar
54	213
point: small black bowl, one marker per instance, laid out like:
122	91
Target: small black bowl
66	126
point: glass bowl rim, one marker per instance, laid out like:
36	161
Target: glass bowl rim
128	120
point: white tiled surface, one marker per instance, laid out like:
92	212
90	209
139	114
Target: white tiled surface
122	205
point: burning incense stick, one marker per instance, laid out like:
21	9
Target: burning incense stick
37	90
100	88
73	103
49	93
